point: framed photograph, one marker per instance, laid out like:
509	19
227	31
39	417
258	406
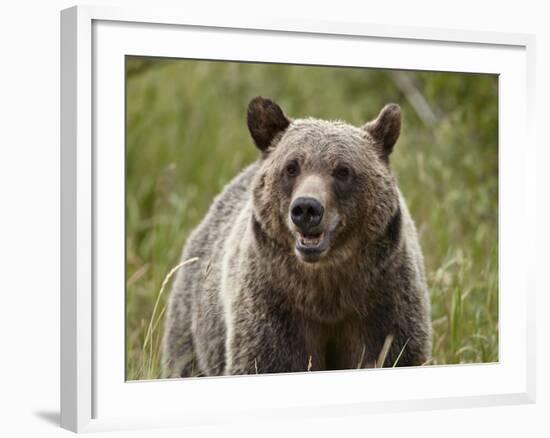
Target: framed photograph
265	218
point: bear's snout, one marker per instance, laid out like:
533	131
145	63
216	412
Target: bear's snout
306	213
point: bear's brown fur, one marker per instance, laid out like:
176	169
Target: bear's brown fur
308	260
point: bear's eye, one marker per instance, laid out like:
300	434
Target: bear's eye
292	168
342	173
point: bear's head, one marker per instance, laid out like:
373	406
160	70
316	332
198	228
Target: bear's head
323	189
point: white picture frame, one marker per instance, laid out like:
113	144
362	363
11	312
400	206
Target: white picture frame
94	395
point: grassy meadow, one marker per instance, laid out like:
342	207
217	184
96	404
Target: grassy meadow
186	137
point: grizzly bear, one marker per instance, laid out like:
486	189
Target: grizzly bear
308	260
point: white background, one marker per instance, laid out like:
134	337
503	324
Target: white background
29	219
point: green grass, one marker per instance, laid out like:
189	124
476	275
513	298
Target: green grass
186	137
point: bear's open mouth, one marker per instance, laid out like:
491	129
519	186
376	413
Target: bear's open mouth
310	240
311	246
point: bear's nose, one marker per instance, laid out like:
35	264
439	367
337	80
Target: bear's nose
306	213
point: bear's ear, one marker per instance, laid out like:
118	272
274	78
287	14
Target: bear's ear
385	128
265	120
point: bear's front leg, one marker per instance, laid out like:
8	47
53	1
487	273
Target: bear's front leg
263	339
